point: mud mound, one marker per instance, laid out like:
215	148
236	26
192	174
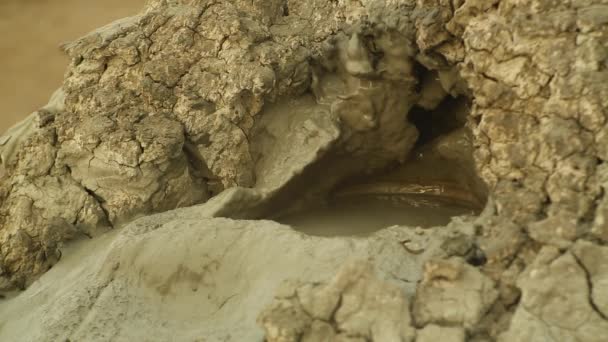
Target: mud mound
247	111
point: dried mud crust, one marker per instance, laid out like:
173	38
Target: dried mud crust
170	107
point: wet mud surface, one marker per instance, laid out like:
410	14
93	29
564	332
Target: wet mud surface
362	215
189	127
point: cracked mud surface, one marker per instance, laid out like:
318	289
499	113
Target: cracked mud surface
246	110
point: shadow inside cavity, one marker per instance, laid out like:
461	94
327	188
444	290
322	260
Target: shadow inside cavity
437	183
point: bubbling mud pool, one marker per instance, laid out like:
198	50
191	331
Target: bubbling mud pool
363	215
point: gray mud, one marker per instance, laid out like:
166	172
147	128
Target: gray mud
365	215
219	115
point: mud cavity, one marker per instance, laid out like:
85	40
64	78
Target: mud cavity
436	183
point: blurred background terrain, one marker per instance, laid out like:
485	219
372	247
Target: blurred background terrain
31	63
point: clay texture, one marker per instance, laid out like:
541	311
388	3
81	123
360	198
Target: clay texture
216	278
246	109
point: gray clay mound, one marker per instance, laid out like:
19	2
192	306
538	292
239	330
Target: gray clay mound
437	168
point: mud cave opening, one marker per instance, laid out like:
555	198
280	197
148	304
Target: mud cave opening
437	182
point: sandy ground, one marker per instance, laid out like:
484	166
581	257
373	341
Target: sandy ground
31	64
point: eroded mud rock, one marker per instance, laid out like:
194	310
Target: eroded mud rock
453	293
353	306
540	112
590	257
263	105
557	300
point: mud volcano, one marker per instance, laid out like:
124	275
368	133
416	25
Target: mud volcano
439	167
